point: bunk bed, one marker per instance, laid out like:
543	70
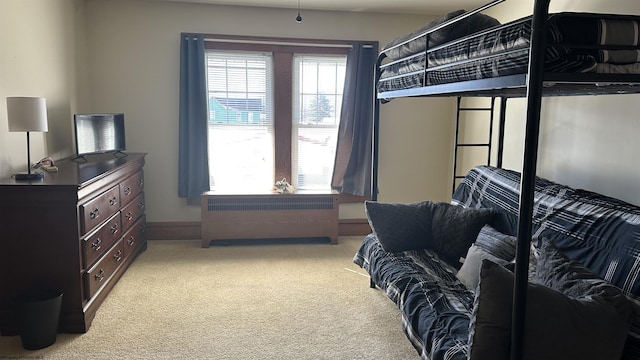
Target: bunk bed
541	55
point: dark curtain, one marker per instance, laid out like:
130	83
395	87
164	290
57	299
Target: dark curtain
193	163
352	168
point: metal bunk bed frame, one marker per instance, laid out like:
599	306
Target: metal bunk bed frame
533	85
487	145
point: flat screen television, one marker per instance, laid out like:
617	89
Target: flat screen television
99	133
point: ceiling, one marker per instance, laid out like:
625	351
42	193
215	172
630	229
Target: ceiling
426	7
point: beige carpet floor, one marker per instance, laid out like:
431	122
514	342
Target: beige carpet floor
275	301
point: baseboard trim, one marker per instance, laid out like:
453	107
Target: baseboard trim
191	230
185	230
354	227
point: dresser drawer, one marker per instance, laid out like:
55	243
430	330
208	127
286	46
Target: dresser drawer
100	208
131	187
135	237
100	273
99	241
132	211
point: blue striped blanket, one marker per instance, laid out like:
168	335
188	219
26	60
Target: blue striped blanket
600	232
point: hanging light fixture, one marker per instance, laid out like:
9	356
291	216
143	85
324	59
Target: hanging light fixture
298	18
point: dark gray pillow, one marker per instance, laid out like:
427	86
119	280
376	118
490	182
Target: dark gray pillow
590	324
400	227
447	229
490	326
455	228
570	277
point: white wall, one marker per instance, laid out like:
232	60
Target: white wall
123	56
41	42
587	142
416	149
133	51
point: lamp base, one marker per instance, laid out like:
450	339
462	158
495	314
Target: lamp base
29	176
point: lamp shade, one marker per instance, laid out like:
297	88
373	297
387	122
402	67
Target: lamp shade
27	114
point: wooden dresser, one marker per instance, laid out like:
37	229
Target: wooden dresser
76	231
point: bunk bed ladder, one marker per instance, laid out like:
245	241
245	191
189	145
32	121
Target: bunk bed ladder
486	145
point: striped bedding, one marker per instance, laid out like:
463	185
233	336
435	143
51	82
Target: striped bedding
436	307
600	232
578	43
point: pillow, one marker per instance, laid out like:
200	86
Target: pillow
490	245
590	324
400	227
454	229
570	277
558	272
464	27
469	273
447	229
533	261
501	246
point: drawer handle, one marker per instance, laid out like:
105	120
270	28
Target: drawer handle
127	191
143	227
140	182
141	205
113	201
131	241
100	275
114	228
94	214
96	244
129	216
118	255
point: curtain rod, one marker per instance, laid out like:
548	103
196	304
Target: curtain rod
265	42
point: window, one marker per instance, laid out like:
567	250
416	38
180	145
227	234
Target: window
318	85
274	111
240	120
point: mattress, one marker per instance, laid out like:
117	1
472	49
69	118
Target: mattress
576	43
413	279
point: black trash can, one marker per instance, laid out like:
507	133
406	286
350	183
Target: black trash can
39	314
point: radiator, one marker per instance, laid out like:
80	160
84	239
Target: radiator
264	216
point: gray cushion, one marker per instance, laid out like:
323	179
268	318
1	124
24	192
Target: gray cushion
400	227
590	323
455	228
469	273
490	245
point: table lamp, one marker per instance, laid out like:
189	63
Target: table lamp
27	114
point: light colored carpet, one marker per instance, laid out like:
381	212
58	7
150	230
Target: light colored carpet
282	301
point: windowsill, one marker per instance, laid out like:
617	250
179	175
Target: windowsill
348	198
268	192
342	198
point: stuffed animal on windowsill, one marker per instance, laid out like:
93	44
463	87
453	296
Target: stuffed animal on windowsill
283	187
